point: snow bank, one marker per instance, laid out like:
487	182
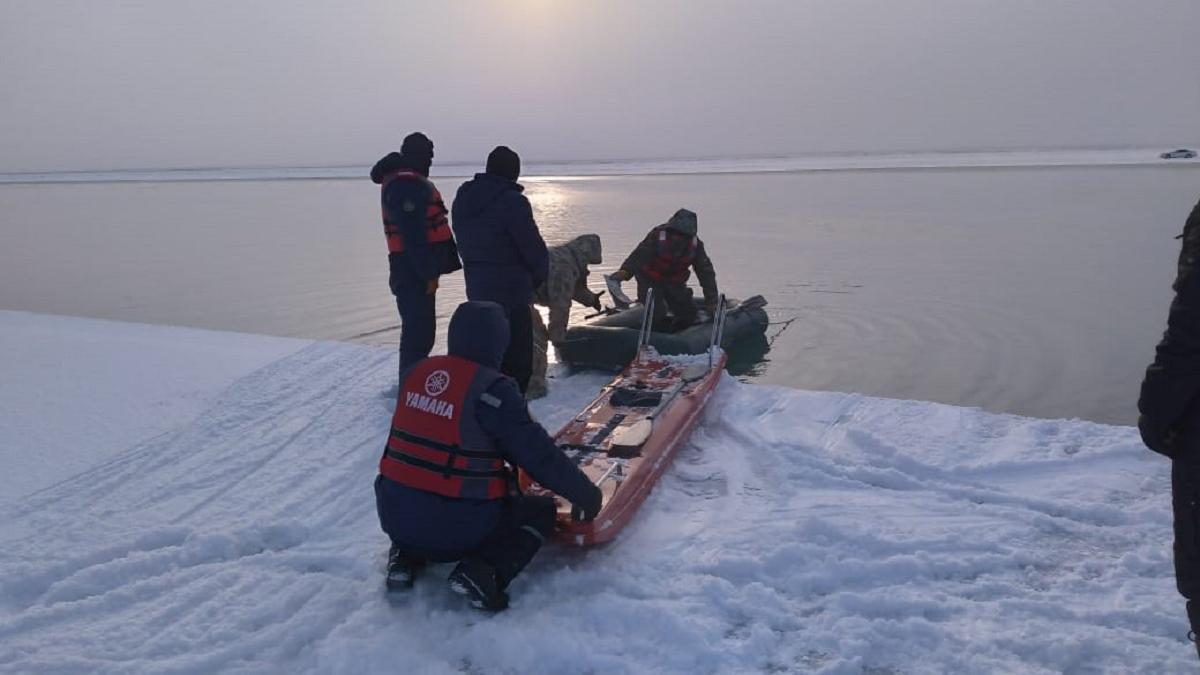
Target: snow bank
797	532
76	393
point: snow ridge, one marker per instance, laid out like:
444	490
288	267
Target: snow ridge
797	532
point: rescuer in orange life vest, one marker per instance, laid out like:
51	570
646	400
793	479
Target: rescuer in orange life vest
446	489
420	244
663	261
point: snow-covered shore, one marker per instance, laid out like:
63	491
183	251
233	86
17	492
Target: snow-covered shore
77	393
190	501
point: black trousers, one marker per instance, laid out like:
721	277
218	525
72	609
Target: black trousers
674	297
518	359
525	524
1185	502
418	323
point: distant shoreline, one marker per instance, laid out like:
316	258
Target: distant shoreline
600	169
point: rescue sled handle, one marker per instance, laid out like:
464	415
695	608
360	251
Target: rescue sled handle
724	317
666	399
718	330
647	321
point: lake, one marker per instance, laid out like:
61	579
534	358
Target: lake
1037	291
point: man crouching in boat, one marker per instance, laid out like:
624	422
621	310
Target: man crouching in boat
446	491
663	261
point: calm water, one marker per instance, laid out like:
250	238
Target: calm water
1034	291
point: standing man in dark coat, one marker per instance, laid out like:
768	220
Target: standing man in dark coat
503	254
663	261
1170	415
445	492
420	244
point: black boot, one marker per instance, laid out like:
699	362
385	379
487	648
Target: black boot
402	569
477	580
1193	612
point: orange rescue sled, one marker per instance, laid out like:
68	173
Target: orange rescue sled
627	436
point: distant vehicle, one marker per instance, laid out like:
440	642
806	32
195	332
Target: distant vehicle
1182	153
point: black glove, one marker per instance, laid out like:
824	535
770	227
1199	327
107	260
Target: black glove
588	510
1156	437
596	301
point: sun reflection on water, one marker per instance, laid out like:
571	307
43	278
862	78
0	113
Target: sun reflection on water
553	209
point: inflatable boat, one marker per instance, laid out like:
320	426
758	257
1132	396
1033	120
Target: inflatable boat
609	342
627	436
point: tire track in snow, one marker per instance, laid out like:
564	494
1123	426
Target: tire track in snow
246	423
207	478
849	455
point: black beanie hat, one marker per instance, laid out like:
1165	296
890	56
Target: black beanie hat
417	151
504	162
417	146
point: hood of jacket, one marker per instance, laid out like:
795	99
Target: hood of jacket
585	249
476	195
390	163
684	221
479	332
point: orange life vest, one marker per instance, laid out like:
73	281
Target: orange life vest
435	444
435	214
668	265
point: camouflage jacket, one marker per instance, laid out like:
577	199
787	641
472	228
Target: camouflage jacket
568	281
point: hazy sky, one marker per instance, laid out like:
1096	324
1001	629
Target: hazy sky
93	84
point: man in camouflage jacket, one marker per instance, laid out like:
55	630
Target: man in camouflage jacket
567	282
1170	414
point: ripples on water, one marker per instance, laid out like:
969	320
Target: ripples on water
1033	291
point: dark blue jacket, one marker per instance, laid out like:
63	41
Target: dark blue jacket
1170	398
503	254
448	528
421	261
